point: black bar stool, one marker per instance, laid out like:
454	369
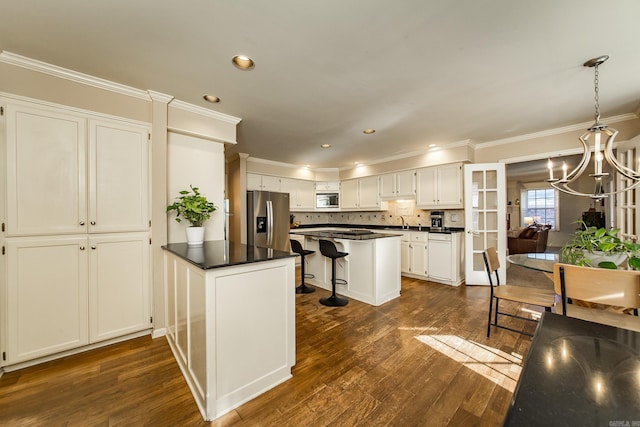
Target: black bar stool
328	249
297	248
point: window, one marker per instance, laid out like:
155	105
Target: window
540	204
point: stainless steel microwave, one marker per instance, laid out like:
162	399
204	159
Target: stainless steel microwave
327	200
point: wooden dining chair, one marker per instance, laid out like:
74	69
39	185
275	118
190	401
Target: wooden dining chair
520	294
590	293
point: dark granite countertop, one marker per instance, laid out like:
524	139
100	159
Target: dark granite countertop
446	230
350	234
222	253
578	373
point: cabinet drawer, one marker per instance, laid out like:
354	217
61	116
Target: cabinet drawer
418	236
443	237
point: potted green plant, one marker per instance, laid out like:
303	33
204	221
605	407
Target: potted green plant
599	247
194	208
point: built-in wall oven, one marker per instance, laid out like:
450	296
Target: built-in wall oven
327	200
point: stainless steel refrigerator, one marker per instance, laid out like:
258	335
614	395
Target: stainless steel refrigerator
268	220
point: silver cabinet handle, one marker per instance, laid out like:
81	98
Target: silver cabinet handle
81	222
93	247
82	248
93	223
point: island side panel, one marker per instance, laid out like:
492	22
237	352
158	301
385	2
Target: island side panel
251	332
387	264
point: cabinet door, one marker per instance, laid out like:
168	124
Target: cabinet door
450	185
46	296
349	194
369	193
306	195
388	186
405	184
441	260
426	184
288	185
118	177
419	260
271	183
46	152
254	182
119	295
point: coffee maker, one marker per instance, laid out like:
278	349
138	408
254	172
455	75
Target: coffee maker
437	221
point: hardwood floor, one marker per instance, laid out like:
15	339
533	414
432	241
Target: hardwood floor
420	360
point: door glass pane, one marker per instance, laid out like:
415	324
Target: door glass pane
477	177
492	240
491	200
492	179
478	262
481	202
478	242
492	220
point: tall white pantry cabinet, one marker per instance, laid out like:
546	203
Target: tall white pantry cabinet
76	228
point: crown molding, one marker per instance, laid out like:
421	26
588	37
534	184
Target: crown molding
64	73
556	131
160	97
204	112
200	135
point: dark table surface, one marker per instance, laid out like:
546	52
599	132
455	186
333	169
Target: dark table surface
222	253
578	373
351	234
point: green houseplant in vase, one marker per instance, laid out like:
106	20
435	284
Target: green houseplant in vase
193	207
599	247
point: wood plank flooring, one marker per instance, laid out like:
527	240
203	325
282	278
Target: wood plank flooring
420	360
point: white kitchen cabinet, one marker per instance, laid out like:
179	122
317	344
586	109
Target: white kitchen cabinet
118	177
361	194
263	182
47	296
46	173
119	285
301	194
328	186
398	185
47	191
439	187
67	292
445	258
77	235
414	254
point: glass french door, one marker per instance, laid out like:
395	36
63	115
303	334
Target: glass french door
485	210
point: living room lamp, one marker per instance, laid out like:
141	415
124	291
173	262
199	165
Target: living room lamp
598	130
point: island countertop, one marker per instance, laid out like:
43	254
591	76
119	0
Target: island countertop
222	253
353	234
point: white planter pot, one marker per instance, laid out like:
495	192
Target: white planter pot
195	236
596	257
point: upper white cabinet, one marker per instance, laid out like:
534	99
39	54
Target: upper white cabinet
439	187
328	186
263	182
48	190
398	185
301	193
118	177
361	193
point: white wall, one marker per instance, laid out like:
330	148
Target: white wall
197	162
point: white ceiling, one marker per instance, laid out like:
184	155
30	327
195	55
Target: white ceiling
420	72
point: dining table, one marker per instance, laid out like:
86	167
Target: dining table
578	373
536	261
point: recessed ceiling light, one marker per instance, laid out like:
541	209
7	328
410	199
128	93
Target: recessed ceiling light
369	131
326	146
211	98
243	62
432	145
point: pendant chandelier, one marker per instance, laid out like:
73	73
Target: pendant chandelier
602	150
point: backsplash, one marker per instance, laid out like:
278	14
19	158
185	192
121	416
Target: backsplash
395	209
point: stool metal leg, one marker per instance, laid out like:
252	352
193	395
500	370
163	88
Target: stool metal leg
303	289
333	300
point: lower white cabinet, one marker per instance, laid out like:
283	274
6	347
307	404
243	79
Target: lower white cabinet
414	253
67	292
446	264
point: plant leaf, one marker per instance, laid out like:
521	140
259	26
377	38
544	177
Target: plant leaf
608	264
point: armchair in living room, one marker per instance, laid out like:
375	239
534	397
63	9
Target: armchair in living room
532	239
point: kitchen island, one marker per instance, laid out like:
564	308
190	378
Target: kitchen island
230	320
371	270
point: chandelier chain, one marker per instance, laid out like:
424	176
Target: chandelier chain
596	96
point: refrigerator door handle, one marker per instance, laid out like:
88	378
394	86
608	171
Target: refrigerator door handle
269	223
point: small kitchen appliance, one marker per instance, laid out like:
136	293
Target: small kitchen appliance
437	221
